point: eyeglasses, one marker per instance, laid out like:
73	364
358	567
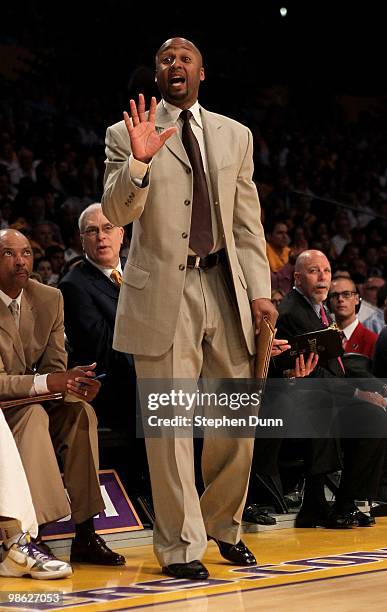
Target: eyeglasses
93	231
345	294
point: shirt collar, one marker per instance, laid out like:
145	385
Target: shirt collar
174	112
7	300
348	331
106	271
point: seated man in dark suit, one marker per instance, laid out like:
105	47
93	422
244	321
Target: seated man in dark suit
90	291
302	311
33	361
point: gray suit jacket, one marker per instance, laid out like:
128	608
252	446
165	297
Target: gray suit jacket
154	275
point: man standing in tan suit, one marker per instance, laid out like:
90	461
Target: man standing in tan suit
33	361
196	277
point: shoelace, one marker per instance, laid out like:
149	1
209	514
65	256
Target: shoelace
35	552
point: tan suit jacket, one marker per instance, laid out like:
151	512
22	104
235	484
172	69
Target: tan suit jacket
37	346
68	427
154	275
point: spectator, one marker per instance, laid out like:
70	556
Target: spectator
278	251
43	267
375	322
344	301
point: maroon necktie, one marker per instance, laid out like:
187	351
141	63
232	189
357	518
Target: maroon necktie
201	239
325	320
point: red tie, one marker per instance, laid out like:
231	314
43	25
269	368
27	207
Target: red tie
325	321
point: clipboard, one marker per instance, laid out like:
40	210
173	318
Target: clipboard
34	399
264	344
327	343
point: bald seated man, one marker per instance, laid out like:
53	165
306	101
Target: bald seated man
33	361
301	311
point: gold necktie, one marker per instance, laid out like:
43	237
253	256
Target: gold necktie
116	278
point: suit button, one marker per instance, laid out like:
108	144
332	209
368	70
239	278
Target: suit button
184	235
216	203
188	170
182	267
187	202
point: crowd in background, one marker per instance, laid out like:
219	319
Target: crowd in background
320	152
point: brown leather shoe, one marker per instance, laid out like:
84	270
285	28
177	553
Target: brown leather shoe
195	570
91	548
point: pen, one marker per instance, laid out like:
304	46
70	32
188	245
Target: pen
100	376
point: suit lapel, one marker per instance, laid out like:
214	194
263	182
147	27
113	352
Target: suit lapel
313	318
212	139
173	143
27	322
7	324
100	280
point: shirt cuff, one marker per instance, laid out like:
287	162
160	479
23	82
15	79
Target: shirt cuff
40	385
138	170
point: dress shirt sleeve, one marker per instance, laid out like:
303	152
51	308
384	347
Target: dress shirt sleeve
40	385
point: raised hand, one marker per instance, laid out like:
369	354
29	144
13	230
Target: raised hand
144	139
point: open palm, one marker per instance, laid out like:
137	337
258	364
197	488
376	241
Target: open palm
144	139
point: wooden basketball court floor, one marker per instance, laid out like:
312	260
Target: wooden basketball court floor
298	569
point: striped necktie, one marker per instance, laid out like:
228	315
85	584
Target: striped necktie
14	310
116	277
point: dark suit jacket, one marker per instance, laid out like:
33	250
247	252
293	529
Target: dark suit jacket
296	316
90	304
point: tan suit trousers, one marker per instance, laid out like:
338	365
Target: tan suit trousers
208	342
70	430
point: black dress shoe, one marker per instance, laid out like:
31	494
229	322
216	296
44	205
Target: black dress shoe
364	520
194	570
331	520
237	553
342	520
254	514
91	548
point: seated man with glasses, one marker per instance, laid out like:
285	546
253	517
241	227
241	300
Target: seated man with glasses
344	303
90	292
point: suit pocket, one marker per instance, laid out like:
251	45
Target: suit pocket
135	276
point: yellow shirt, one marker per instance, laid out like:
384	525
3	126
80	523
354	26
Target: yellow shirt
277	259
